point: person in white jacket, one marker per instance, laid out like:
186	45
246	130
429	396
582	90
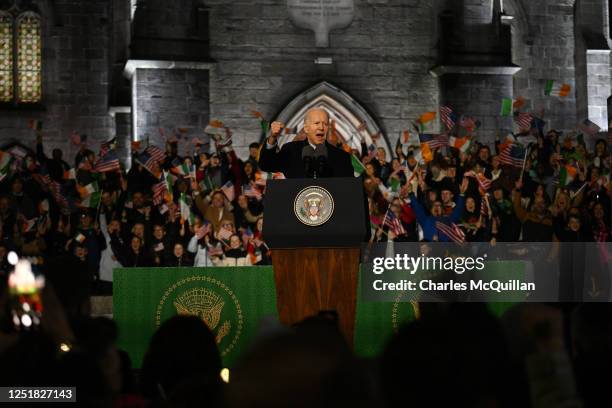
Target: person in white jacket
200	247
108	260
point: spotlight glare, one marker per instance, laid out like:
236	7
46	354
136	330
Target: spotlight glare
225	374
12	258
26	320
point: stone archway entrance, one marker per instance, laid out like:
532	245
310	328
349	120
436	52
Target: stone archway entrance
347	113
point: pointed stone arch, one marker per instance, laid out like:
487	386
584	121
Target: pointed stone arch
341	107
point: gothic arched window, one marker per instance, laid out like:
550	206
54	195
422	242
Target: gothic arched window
20	57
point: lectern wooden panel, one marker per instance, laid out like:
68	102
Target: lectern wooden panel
312	279
316	267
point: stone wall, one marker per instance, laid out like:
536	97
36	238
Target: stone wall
171	98
75	78
381	59
547	52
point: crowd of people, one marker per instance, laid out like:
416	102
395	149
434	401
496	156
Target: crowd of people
458	355
206	209
555	190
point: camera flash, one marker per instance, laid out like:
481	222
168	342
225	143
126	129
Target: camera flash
12	258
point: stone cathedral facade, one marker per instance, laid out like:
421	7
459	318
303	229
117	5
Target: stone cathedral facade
143	69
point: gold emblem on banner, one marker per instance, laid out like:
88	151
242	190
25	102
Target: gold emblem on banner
313	206
210	300
205	304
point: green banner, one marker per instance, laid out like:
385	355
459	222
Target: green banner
376	322
231	301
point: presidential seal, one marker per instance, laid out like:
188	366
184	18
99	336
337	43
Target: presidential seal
210	300
313	206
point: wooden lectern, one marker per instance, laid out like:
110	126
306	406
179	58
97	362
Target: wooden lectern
316	267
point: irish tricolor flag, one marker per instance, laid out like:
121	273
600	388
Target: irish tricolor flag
86	191
186	214
555	88
425	118
184	170
90	195
567	174
460	143
262	177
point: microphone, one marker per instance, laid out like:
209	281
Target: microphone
307	158
320	155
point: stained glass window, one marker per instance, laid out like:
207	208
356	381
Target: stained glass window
6	57
28	58
20	57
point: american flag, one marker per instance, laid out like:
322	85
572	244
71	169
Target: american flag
56	190
108	162
252	191
483	183
484	208
145	160
159	191
246	236
215	251
156	153
228	190
523	120
203	230
588	127
451	231
224	233
448	117
394	223
107	146
512	154
434	141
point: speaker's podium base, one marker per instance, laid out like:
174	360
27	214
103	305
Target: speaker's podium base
309	280
316	264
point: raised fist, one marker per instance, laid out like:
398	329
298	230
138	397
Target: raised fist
276	127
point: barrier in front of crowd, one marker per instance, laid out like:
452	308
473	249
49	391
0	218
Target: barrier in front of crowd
237	303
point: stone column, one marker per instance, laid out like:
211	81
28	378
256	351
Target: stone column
119	90
122	131
592	62
168	69
474	66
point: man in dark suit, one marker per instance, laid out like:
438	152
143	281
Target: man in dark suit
289	160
